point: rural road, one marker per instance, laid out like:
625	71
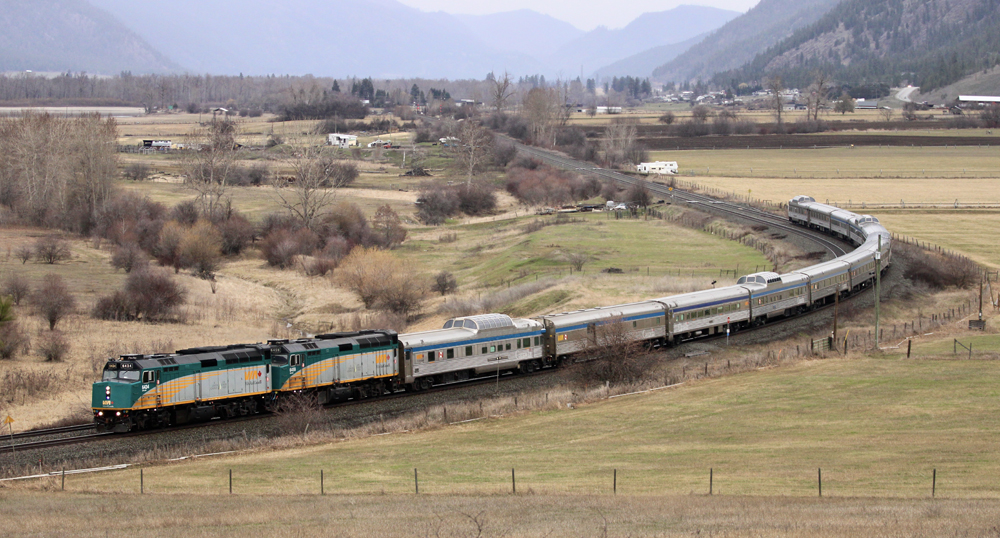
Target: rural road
904	93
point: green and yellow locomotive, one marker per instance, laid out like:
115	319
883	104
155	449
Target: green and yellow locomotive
198	384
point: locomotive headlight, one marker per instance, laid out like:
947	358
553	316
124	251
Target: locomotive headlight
118	413
100	413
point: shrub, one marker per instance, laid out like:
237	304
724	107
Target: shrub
131	218
168	248
380	279
128	257
23	253
336	248
348	221
436	204
16	287
51	250
476	198
136	172
236	233
186	213
12	340
444	283
610	190
53	346
614	356
387	227
667	118
148	295
547	185
201	248
282	246
250	176
53	300
318	266
504	152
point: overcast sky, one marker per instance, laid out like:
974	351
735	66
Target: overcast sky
584	14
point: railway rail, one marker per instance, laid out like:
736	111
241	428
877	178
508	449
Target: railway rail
729	209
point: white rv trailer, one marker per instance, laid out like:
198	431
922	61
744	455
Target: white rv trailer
657	167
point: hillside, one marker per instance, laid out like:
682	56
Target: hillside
383	39
986	82
522	31
604	46
645	62
72	35
929	43
739	40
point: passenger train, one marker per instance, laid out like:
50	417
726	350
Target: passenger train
148	391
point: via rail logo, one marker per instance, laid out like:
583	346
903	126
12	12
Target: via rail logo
253	376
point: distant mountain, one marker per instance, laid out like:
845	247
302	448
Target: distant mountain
642	64
523	31
602	46
739	40
72	35
930	43
382	39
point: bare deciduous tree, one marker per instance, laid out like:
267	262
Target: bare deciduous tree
16	287
543	109
209	169
51	250
444	283
23	253
317	176
475	148
885	113
614	356
201	248
380	280
53	300
817	91
501	91
620	145
577	260
777	88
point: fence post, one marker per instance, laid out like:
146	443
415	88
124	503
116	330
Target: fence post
934	483
819	478
513	482
416	482
64	479
230	481
142	485
322	491
614	486
711	478
909	344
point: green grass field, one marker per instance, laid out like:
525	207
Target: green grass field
877	428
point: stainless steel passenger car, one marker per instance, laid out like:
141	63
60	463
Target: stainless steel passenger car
470	346
773	295
707	312
571	332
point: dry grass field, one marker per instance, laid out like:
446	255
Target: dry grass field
535	515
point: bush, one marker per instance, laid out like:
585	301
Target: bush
16	287
51	250
53	300
136	172
250	176
667	118
149	295
201	248
24	253
342	174
550	186
614	356
53	346
128	257
347	220
168	248
690	129
436	204
387	228
186	213
318	266
131	218
382	280
236	233
504	152
12	340
282	246
444	283
476	199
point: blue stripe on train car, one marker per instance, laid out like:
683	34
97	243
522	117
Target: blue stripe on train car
459	343
630	318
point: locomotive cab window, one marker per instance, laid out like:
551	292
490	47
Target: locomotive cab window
295	360
149	376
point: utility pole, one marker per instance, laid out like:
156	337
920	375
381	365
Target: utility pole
878	282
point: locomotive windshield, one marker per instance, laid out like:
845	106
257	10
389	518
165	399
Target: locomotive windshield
120	371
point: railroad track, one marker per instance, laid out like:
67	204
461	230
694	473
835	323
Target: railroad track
729	209
26	436
263	416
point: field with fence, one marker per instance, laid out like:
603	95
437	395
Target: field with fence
877	427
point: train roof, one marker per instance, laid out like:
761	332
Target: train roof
826	268
482	327
801	199
230	354
625	310
705	297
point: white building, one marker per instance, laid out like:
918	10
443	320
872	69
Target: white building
342	141
657	167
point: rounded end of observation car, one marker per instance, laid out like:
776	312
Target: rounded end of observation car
803	199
